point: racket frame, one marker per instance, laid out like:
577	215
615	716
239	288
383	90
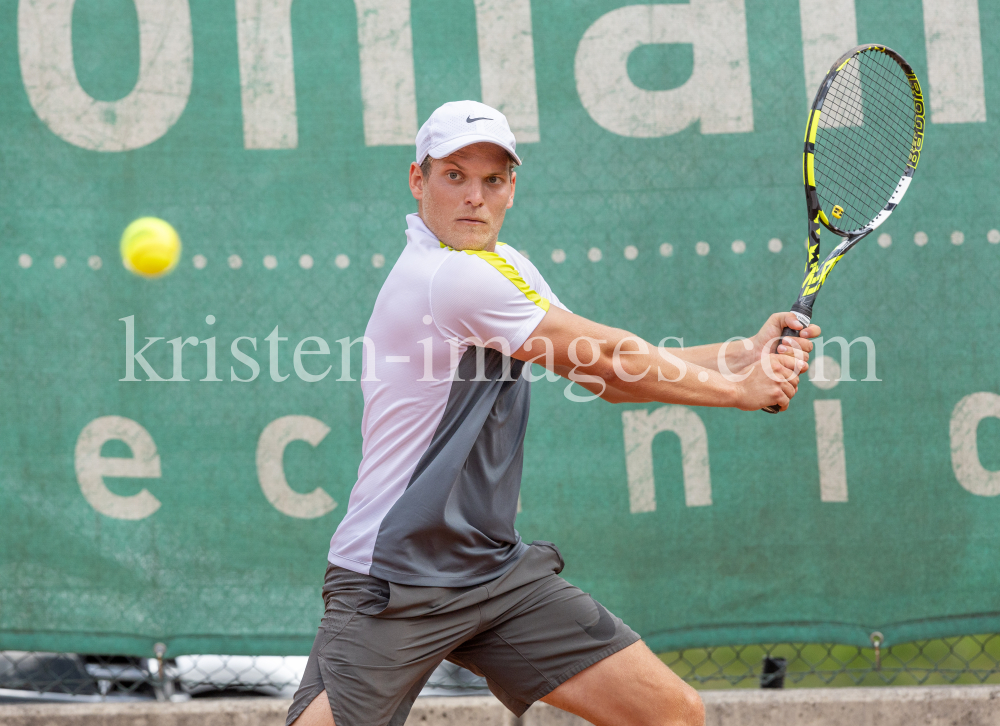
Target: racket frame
817	272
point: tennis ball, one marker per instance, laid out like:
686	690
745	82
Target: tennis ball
150	247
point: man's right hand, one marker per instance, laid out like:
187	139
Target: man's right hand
770	381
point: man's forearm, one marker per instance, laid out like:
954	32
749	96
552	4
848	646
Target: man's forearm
619	366
598	356
647	377
735	357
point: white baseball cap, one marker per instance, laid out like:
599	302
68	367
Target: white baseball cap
458	124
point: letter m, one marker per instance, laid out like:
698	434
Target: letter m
845	355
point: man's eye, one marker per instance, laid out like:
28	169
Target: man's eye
494	179
453	175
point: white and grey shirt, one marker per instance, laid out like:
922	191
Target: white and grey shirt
445	415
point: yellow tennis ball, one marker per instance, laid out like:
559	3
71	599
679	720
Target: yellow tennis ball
150	247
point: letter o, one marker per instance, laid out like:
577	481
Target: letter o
166	60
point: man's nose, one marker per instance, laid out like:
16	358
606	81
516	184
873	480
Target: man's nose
474	195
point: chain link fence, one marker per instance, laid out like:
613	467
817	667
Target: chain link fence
962	660
80	677
74	677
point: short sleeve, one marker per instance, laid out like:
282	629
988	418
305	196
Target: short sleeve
479	296
557	302
534	278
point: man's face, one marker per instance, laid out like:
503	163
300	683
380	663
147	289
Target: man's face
466	195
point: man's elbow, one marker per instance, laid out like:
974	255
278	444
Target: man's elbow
613	395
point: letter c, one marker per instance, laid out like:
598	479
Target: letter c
271	470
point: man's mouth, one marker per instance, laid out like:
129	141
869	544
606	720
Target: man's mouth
471	220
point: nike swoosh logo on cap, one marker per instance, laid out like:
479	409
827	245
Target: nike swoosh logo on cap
469	119
604	628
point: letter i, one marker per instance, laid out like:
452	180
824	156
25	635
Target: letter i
829	433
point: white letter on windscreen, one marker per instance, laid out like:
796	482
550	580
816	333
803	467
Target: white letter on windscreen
717	93
92	468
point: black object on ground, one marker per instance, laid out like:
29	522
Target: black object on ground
773	673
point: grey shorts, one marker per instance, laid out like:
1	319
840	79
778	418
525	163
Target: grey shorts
526	632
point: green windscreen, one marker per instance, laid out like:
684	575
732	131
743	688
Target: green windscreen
661	192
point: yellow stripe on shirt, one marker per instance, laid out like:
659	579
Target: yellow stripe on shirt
509	271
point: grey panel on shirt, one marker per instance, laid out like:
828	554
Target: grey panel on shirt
454	524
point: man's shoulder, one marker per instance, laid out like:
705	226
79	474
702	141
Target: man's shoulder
516	257
466	271
502	266
442	269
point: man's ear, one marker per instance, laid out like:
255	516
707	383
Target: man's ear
416	181
513	183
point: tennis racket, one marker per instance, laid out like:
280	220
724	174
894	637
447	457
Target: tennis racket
863	141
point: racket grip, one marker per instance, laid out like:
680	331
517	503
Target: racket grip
786	333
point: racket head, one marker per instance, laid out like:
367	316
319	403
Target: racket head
863	140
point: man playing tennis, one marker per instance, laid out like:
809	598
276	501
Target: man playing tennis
426	564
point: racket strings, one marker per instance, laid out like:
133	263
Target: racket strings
865	160
872	142
864	138
894	110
